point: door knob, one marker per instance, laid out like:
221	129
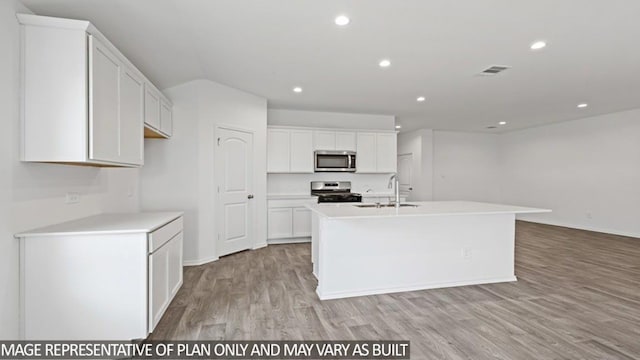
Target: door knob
250	196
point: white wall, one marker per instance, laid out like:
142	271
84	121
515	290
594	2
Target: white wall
466	166
587	171
330	119
33	195
179	173
419	144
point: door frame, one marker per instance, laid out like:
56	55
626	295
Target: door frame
216	181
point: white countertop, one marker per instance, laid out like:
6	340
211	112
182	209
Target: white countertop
289	196
125	223
425	208
307	196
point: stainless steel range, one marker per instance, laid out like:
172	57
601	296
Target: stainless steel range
334	191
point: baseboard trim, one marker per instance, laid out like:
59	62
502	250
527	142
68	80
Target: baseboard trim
200	261
259	246
289	240
365	292
585	228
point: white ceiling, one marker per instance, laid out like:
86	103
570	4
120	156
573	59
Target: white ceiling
436	48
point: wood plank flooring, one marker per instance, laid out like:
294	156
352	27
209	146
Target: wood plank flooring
577	297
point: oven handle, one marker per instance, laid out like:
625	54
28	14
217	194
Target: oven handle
349	166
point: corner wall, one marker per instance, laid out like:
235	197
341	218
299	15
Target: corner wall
179	173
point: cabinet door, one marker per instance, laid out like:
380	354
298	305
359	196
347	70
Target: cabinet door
301	222
131	117
386	152
104	88
159	285
301	151
166	118
278	150
366	153
151	107
324	140
345	141
175	265
280	223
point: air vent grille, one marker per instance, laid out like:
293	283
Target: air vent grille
494	70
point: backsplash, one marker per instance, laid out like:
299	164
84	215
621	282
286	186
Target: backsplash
299	183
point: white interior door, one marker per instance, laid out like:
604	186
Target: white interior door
405	162
235	211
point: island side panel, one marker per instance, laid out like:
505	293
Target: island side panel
85	287
364	256
315	238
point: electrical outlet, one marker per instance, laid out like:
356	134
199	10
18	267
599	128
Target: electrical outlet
589	216
466	253
72	198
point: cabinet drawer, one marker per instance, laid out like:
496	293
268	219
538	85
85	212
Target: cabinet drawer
164	234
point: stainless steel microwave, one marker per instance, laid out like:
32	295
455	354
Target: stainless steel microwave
334	161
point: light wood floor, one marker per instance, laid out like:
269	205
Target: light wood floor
577	297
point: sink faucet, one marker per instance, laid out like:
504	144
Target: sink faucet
393	180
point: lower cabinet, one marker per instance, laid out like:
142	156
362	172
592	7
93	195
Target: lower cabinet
301	222
288	219
165	278
100	278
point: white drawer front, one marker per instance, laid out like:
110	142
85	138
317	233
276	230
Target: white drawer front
164	234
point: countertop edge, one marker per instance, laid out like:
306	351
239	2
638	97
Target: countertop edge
40	232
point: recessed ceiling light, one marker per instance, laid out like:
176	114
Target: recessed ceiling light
538	45
297	89
583	105
502	123
420	99
398	126
385	63
342	20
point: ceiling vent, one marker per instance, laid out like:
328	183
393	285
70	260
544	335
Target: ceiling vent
494	70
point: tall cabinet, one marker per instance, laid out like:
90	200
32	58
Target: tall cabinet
83	102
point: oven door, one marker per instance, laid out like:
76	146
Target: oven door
335	161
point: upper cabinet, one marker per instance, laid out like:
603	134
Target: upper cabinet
158	117
334	140
289	151
83	102
376	152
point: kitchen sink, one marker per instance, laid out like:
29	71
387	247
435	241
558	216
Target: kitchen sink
384	205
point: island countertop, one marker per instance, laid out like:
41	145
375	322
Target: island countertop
116	223
424	208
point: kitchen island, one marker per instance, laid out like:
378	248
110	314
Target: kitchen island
360	249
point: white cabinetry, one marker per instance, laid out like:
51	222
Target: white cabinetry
280	223
289	220
289	151
83	102
105	277
158	116
165	269
376	152
334	140
301	222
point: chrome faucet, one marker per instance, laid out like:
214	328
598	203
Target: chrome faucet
397	188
